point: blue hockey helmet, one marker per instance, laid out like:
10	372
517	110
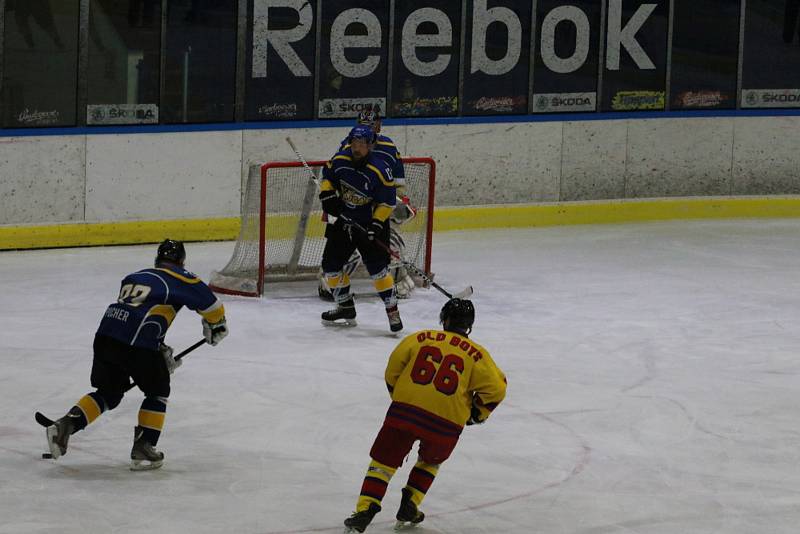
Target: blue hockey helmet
363	132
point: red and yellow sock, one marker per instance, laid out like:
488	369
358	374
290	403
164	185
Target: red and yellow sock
375	483
420	480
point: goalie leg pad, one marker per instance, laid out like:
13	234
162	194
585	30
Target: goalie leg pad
352	264
403	283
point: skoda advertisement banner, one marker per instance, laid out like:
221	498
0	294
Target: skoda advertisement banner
354	58
567	53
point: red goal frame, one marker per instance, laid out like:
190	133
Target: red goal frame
262	249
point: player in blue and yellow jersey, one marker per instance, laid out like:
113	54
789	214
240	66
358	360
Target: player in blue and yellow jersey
129	344
439	380
385	149
358	189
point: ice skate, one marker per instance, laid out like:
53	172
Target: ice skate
324	293
58	436
343	315
395	323
144	456
408	515
359	521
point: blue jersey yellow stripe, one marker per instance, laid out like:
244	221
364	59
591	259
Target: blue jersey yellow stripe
148	302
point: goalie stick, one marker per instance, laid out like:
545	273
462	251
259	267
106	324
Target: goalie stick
46	421
428	281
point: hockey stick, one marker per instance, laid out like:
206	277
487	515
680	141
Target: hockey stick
302	160
177	358
46	421
463	294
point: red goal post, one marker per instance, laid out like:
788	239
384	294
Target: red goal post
282	229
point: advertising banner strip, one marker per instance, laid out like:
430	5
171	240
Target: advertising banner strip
496	57
638	100
353	56
108	114
427	51
771	98
563	102
348	108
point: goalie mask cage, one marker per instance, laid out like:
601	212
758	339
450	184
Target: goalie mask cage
283	233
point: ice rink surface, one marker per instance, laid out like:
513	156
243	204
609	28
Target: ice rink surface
653	388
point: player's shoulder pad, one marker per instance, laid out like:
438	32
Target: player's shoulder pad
386	141
181	274
343	156
378	167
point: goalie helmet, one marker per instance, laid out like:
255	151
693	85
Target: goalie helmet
362	132
457	315
171	251
371	118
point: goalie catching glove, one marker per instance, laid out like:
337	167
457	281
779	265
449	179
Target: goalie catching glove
169	360
215	332
403	211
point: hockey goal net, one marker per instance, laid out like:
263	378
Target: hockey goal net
282	231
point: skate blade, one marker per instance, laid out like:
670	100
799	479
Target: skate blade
400	526
51	433
145	465
346	323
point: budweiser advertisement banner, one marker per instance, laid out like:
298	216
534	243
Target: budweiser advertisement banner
496	57
435	58
705	54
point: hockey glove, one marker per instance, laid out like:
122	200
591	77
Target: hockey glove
347	224
215	332
403	211
374	229
475	414
166	352
331	203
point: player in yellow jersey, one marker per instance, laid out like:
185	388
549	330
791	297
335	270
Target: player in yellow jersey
439	380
